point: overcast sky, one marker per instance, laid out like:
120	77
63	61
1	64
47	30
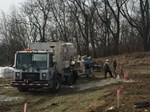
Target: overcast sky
6	4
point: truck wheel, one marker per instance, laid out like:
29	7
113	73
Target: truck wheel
56	85
22	89
72	78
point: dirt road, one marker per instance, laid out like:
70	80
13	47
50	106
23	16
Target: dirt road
71	98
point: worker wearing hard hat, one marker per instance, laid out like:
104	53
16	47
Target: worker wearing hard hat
106	69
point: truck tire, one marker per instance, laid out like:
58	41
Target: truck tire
56	85
72	78
22	89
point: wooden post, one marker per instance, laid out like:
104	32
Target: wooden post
118	98
25	107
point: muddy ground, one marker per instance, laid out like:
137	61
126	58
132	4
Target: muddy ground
89	94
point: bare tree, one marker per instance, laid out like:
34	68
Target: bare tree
84	14
113	26
13	36
139	19
37	14
59	11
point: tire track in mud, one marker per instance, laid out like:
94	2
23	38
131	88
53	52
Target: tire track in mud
94	83
97	84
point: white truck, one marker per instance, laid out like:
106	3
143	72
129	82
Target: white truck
44	65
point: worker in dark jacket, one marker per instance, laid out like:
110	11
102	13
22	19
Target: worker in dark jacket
106	69
114	65
88	66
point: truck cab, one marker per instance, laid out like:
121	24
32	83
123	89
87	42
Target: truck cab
41	69
35	69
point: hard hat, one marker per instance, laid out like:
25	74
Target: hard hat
107	60
89	57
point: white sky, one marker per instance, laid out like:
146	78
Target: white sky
5	5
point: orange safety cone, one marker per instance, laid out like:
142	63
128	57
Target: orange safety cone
25	107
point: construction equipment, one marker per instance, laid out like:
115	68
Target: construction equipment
44	65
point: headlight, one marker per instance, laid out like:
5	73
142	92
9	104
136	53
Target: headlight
17	75
43	76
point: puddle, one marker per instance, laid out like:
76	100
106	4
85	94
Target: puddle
99	84
96	84
143	104
8	87
4	85
8	98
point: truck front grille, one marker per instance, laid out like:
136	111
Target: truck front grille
31	76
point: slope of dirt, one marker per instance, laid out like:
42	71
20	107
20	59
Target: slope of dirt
89	94
132	59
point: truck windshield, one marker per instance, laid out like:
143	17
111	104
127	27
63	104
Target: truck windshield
37	61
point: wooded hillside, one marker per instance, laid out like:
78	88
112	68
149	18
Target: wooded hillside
96	27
